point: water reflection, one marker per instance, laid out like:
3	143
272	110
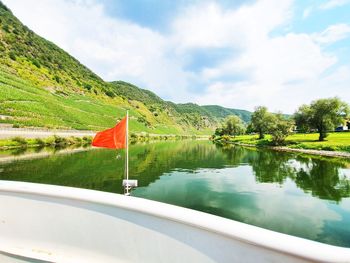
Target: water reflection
320	176
323	177
291	193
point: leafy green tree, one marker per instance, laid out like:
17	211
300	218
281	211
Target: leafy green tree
233	126
322	115
280	129
261	121
249	129
218	131
302	118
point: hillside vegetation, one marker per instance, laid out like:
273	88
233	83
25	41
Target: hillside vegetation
41	85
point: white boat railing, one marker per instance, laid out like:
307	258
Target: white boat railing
63	224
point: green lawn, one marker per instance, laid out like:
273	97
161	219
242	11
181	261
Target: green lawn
337	141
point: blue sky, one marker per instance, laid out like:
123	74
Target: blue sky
238	54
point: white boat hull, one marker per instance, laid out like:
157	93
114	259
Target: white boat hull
62	224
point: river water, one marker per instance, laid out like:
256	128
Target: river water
291	193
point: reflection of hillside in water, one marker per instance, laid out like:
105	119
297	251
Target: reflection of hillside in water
101	170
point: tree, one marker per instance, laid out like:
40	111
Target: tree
218	132
302	118
281	128
234	125
322	115
261	121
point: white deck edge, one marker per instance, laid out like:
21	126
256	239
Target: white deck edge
283	243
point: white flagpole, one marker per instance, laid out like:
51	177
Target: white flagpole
126	183
127	145
127	151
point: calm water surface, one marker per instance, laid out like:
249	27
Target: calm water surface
289	193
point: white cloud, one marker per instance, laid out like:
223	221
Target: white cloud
277	70
209	25
111	47
334	3
274	65
332	34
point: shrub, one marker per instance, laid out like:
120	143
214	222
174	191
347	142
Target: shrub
70	140
225	138
110	94
12	56
133	136
39	142
50	141
329	148
58	140
87	86
141	119
345	148
87	139
6	28
36	63
21	141
78	140
280	129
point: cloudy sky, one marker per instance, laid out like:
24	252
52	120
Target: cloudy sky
238	54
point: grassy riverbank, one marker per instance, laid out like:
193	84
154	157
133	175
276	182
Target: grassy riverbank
19	142
334	142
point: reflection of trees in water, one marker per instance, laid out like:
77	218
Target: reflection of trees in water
19	151
319	176
99	169
151	161
148	162
235	155
323	179
270	166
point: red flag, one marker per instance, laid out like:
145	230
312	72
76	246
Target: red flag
113	138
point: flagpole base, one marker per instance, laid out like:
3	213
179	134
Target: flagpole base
128	185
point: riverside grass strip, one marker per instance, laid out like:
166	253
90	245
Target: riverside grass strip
19	142
336	141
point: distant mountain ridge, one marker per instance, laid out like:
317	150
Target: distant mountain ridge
215	111
41	85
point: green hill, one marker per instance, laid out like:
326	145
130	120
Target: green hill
221	112
41	85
